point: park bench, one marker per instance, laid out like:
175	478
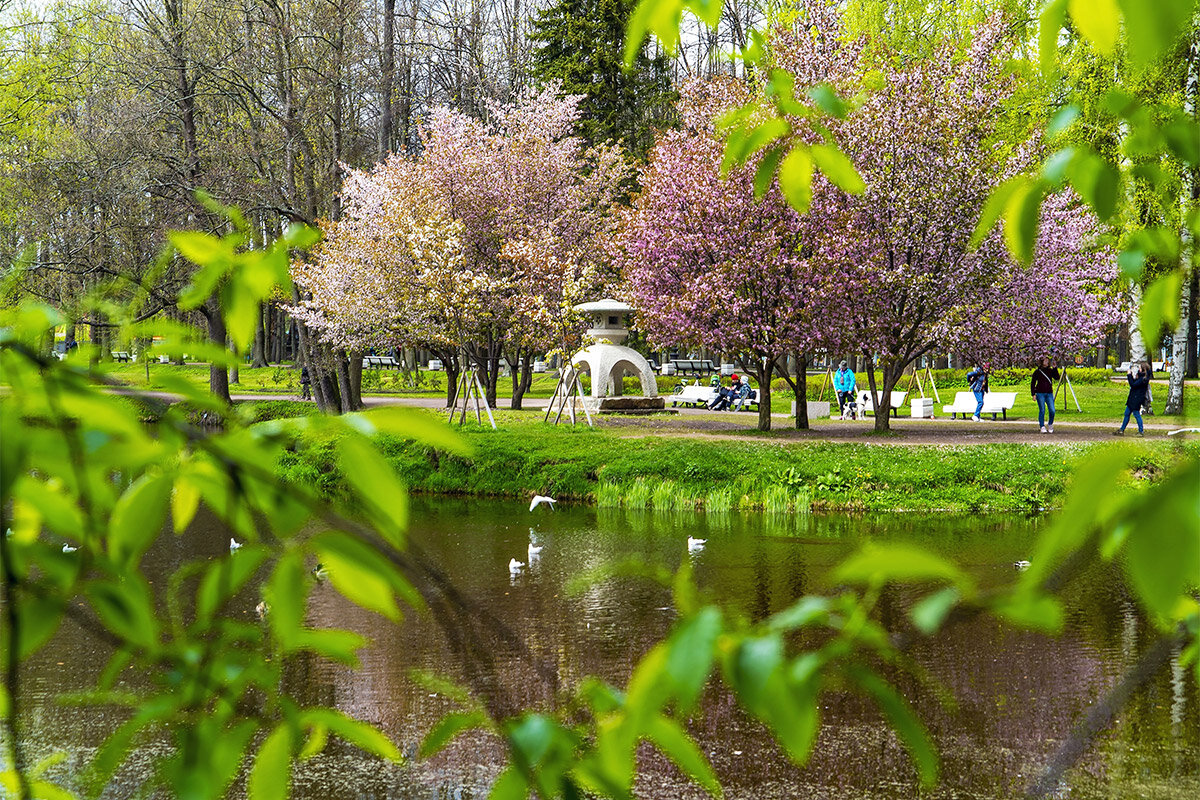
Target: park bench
435	365
380	362
993	403
693	366
695	395
865	403
121	355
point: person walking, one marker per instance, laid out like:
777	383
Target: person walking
1042	388
978	379
843	385
1139	382
305	384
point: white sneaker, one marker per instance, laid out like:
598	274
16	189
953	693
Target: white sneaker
1043	429
975	419
1050	429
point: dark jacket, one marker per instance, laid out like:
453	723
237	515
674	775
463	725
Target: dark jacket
1137	390
1043	380
978	379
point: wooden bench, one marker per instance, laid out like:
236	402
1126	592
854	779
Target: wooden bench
896	402
993	403
380	362
121	355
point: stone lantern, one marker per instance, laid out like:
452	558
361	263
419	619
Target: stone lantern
608	360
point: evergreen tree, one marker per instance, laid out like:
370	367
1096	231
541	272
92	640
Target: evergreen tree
582	44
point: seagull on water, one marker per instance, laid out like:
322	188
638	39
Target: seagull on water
69	549
1021	566
695	545
234	545
515	566
539	499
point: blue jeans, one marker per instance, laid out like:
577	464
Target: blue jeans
1045	400
1137	414
978	403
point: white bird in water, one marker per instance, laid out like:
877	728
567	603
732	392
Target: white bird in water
234	545
515	566
539	499
695	545
69	549
535	549
1021	566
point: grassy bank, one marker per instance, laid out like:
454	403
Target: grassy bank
601	467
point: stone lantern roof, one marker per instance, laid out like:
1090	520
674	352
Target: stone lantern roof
607	319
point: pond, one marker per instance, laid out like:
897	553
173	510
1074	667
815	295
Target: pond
1016	694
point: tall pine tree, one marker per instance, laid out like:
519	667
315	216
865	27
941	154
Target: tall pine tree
582	44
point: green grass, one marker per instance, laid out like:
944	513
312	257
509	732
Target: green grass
1100	402
664	472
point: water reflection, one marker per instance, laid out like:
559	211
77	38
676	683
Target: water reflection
1017	694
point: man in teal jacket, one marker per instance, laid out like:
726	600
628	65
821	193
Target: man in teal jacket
843	384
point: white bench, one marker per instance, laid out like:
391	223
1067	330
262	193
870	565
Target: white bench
993	403
865	403
695	395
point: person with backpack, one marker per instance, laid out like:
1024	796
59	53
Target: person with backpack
978	379
1041	386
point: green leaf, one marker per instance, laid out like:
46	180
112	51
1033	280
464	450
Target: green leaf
1097	181
996	203
1183	137
39	618
285	593
336	645
1152	27
795	178
271	776
409	424
138	518
241	313
1131	263
185	500
899	563
1162	551
362	735
1160	307
904	721
690	655
375	482
201	248
782	88
532	736
834	164
765	174
929	614
1051	21
1021	215
448	727
511	784
359	573
301	237
1034	611
754	662
225	578
127	609
674	742
827	100
740	147
1054	169
660	17
1062	120
1099	21
803	612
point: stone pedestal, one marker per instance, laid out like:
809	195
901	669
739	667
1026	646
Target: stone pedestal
922	408
816	409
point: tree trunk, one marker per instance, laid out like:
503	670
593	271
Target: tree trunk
1137	347
800	390
890	373
341	369
1174	404
258	351
356	371
218	377
1191	367
387	78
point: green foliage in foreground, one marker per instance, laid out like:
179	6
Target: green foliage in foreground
678	473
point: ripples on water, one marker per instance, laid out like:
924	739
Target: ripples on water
1017	694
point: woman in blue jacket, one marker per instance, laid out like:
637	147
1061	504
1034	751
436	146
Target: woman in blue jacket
1139	381
843	385
978	379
